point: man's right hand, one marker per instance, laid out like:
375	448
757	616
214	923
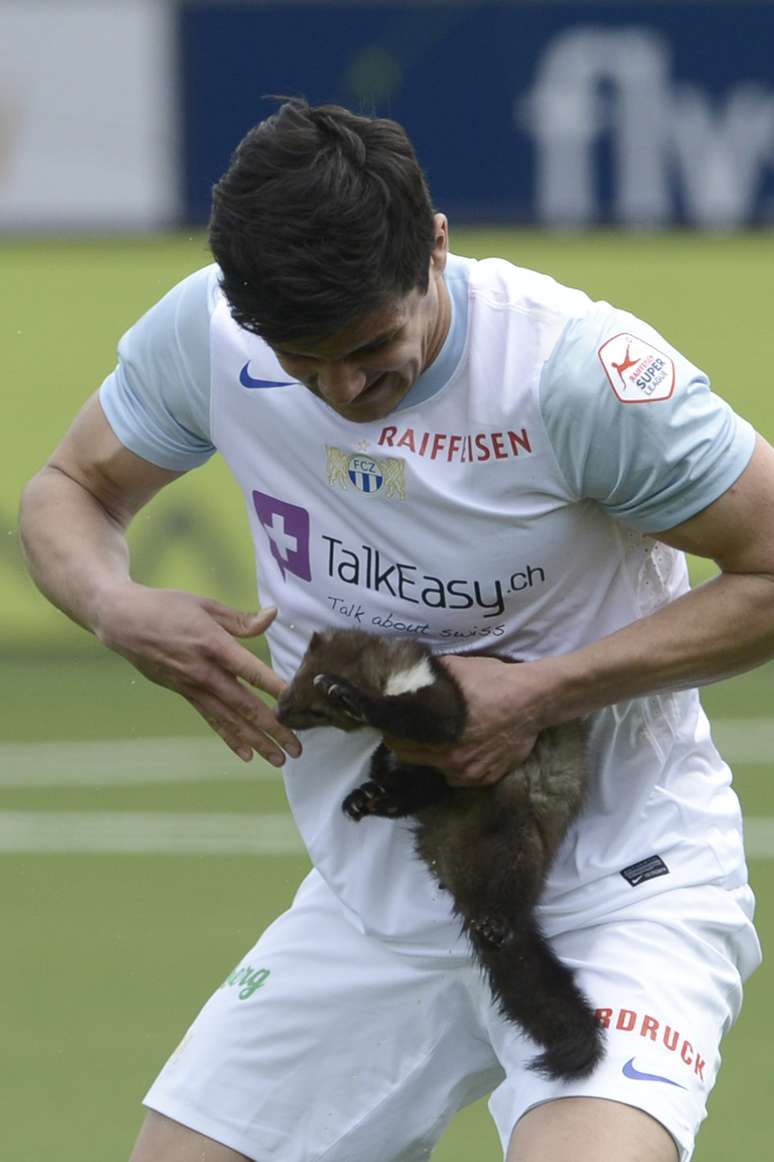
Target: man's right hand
189	644
73	521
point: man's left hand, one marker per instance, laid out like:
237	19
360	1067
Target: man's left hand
502	721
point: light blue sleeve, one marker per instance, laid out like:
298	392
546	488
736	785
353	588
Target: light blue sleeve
650	462
157	401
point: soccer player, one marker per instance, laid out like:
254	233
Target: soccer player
473	454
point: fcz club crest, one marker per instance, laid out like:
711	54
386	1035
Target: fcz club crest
365	474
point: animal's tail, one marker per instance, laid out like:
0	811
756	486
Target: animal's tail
537	991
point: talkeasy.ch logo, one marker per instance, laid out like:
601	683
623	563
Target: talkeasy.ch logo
367	568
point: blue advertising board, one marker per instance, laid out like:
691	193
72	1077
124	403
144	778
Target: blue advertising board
565	114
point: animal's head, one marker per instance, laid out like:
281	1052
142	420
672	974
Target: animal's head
315	696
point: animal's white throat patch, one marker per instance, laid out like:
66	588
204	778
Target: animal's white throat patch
408	681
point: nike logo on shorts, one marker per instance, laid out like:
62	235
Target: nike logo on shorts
246	379
635	1075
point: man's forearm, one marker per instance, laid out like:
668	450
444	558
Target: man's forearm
720	629
78	556
75	551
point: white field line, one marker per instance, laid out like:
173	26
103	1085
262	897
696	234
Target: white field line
759	837
186	759
169	833
124	761
146	833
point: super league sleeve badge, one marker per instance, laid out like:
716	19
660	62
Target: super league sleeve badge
637	371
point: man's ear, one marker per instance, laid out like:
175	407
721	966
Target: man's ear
441	247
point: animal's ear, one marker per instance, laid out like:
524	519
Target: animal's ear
314	640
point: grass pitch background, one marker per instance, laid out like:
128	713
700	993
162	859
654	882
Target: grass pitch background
106	958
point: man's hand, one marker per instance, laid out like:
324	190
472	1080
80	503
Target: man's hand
503	703
188	644
74	517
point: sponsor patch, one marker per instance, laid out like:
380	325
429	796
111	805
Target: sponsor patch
246	980
645	869
638	372
369	568
631	1071
287	528
357	470
454	447
655	1034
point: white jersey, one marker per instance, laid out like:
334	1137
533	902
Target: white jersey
507	505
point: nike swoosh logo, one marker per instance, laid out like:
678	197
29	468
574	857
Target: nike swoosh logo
635	1075
246	379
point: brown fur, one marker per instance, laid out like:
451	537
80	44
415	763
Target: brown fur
490	847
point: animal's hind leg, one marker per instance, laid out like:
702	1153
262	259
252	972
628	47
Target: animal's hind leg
490	891
491	931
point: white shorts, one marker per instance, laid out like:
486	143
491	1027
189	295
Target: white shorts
326	1045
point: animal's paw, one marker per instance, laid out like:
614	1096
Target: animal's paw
492	930
343	694
371	799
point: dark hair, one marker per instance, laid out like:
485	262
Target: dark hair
322	217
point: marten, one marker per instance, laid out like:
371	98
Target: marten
490	847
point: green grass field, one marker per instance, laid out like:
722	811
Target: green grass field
106	957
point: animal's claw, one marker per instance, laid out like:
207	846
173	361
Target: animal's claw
370	799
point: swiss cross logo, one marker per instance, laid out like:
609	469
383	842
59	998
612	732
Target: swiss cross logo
638	372
287	527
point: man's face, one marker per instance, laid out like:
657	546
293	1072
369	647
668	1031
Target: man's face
363	371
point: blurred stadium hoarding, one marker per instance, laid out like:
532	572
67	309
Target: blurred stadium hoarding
87	115
119	114
564	114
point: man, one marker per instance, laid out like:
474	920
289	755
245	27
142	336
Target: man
473	454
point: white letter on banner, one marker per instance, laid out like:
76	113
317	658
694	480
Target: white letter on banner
592	80
721	158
